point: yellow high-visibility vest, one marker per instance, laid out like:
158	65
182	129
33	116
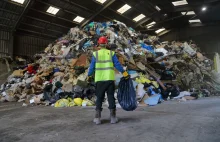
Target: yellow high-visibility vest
104	67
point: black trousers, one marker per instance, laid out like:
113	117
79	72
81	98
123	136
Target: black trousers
101	88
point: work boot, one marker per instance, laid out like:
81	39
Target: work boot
113	117
97	119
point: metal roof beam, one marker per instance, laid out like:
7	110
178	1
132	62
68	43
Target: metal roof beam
5	25
163	33
132	23
98	12
106	17
126	1
36	32
48	4
148	16
7	19
8	11
80	6
27	6
53	16
51	22
121	14
41	37
42	28
37	19
213	23
75	4
183	9
142	22
194	5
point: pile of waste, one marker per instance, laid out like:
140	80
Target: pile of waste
159	70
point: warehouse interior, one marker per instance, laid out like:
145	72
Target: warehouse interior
166	47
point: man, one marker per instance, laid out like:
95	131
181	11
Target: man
103	63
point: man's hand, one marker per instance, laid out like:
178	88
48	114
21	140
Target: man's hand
126	75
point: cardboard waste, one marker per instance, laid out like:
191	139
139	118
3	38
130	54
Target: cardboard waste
159	70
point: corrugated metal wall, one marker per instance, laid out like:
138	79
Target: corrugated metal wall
29	45
4	43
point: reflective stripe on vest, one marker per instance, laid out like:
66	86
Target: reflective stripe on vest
104	68
108	68
103	61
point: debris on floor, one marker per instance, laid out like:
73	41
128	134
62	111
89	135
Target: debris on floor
159	70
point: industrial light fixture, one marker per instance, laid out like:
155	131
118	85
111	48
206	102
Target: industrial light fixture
139	17
52	10
188	13
124	8
101	1
157	7
195	21
178	3
151	25
78	19
18	1
204	9
160	30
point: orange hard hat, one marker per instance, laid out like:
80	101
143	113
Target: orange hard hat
103	40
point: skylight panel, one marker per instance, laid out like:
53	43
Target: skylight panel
179	3
78	19
138	18
52	10
160	30
188	13
158	8
124	8
101	1
18	1
151	25
195	21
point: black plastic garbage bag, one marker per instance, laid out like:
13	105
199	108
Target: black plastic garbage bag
126	95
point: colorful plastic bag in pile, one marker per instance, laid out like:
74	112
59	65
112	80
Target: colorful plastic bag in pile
62	103
73	102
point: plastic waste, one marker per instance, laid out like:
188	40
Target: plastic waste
164	51
78	101
148	47
87	102
62	103
127	95
153	100
71	104
87	44
142	79
188	49
140	91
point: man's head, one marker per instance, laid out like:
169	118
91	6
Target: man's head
103	41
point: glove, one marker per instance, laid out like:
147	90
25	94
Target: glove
89	79
126	75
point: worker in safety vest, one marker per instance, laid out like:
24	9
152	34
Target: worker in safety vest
103	63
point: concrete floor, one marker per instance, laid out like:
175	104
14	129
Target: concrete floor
192	121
